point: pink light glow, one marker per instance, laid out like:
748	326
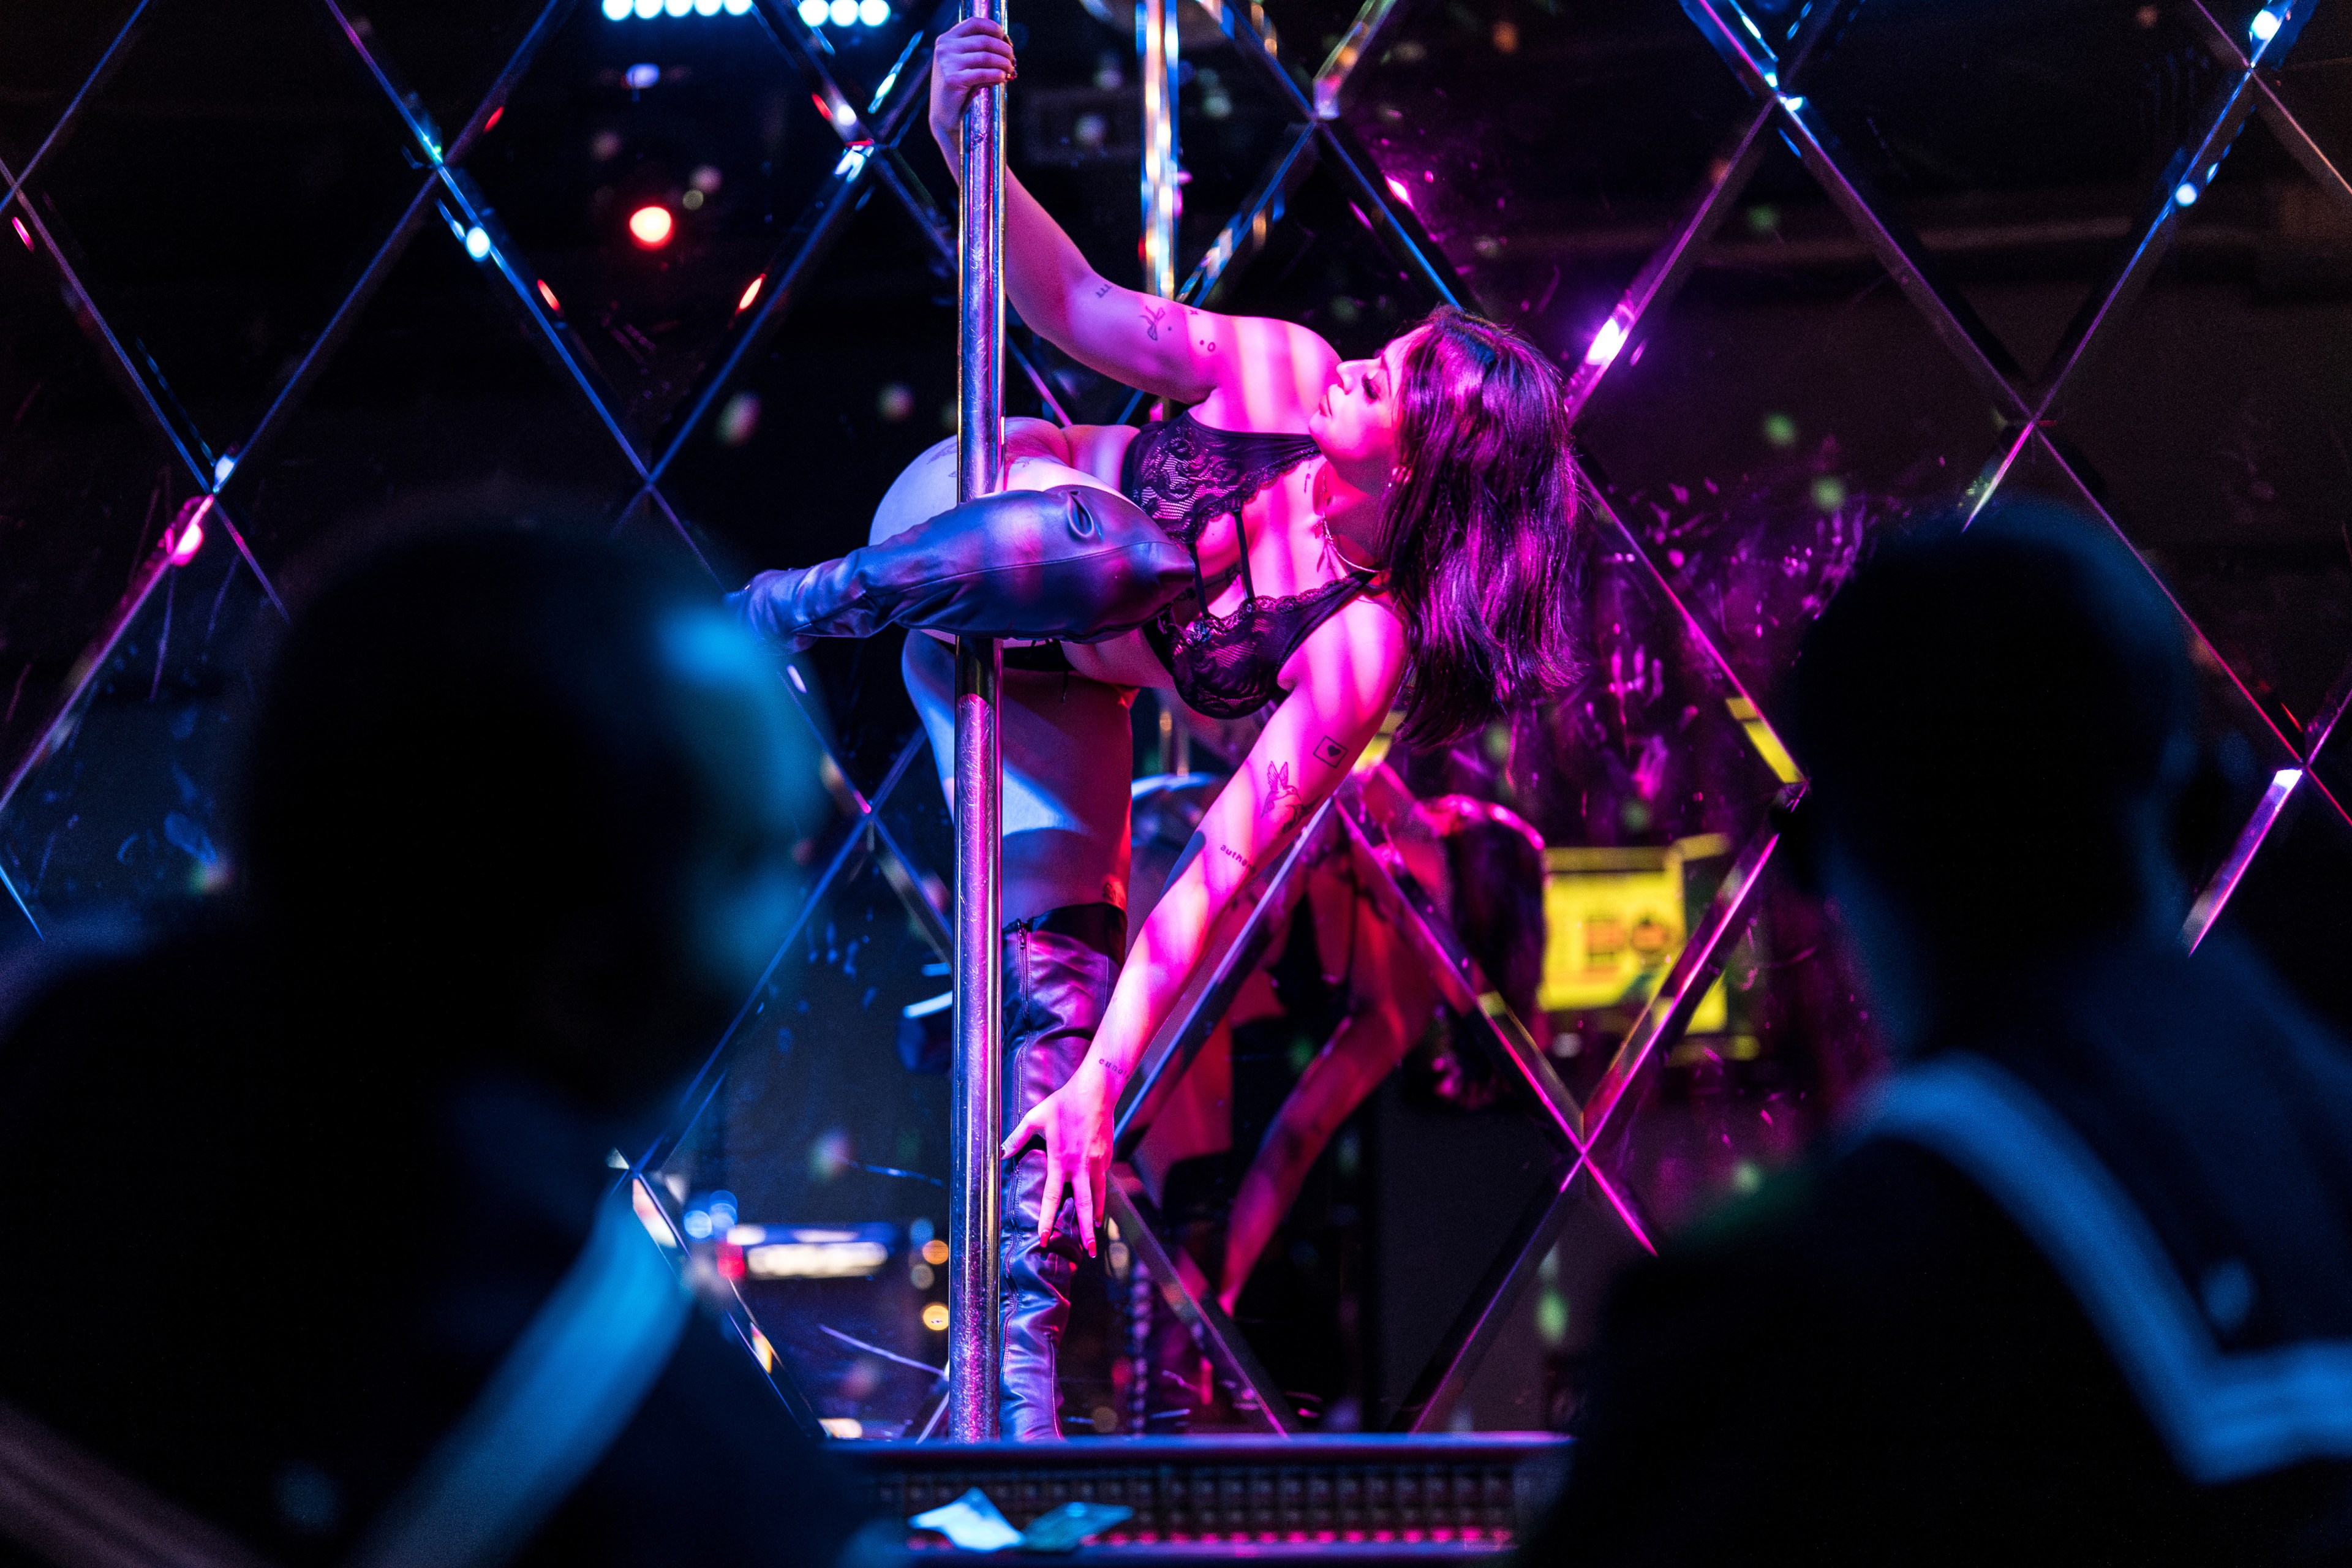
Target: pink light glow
1396	189
192	537
492	123
547	294
650	226
1606	343
22	232
751	292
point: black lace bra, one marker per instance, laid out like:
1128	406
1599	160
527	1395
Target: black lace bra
1185	475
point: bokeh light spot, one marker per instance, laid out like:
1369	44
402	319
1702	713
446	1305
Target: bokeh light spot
739	420
650	225
829	1156
1551	1317
896	402
935	1317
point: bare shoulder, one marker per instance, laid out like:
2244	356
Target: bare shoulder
1357	656
1372	615
1269	374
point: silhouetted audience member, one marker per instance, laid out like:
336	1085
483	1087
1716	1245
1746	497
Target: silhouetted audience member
2077	1286
293	1192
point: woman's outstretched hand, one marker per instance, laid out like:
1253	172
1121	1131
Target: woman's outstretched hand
1074	1124
969	56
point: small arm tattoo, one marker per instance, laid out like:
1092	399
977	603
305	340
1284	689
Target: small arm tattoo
1329	753
1281	796
1152	320
1230	853
1103	290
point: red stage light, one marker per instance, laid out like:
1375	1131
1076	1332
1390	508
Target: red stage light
492	123
547	294
751	292
650	226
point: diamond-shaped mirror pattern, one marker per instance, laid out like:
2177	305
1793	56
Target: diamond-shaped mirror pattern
47	53
648	174
88	492
124	810
439	61
2021	144
814	1177
442	394
2230	485
1550	152
218	196
1741	440
685	268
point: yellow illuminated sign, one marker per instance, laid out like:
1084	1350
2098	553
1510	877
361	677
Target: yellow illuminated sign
1616	925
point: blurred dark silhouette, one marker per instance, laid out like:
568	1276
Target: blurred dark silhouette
2077	1285
298	1185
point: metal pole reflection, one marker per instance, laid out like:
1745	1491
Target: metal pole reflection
973	1329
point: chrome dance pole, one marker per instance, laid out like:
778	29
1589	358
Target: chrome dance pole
1155	43
975	1334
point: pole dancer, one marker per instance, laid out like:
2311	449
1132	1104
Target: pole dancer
1302	533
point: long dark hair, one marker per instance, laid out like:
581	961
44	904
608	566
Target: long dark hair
1478	531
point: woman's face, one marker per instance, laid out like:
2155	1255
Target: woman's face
1356	422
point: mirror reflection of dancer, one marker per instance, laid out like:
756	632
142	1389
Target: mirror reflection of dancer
1305	530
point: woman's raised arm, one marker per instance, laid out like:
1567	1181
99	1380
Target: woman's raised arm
1353	665
1167	349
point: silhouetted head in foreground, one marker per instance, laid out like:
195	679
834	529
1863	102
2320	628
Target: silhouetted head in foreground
1999	725
523	797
